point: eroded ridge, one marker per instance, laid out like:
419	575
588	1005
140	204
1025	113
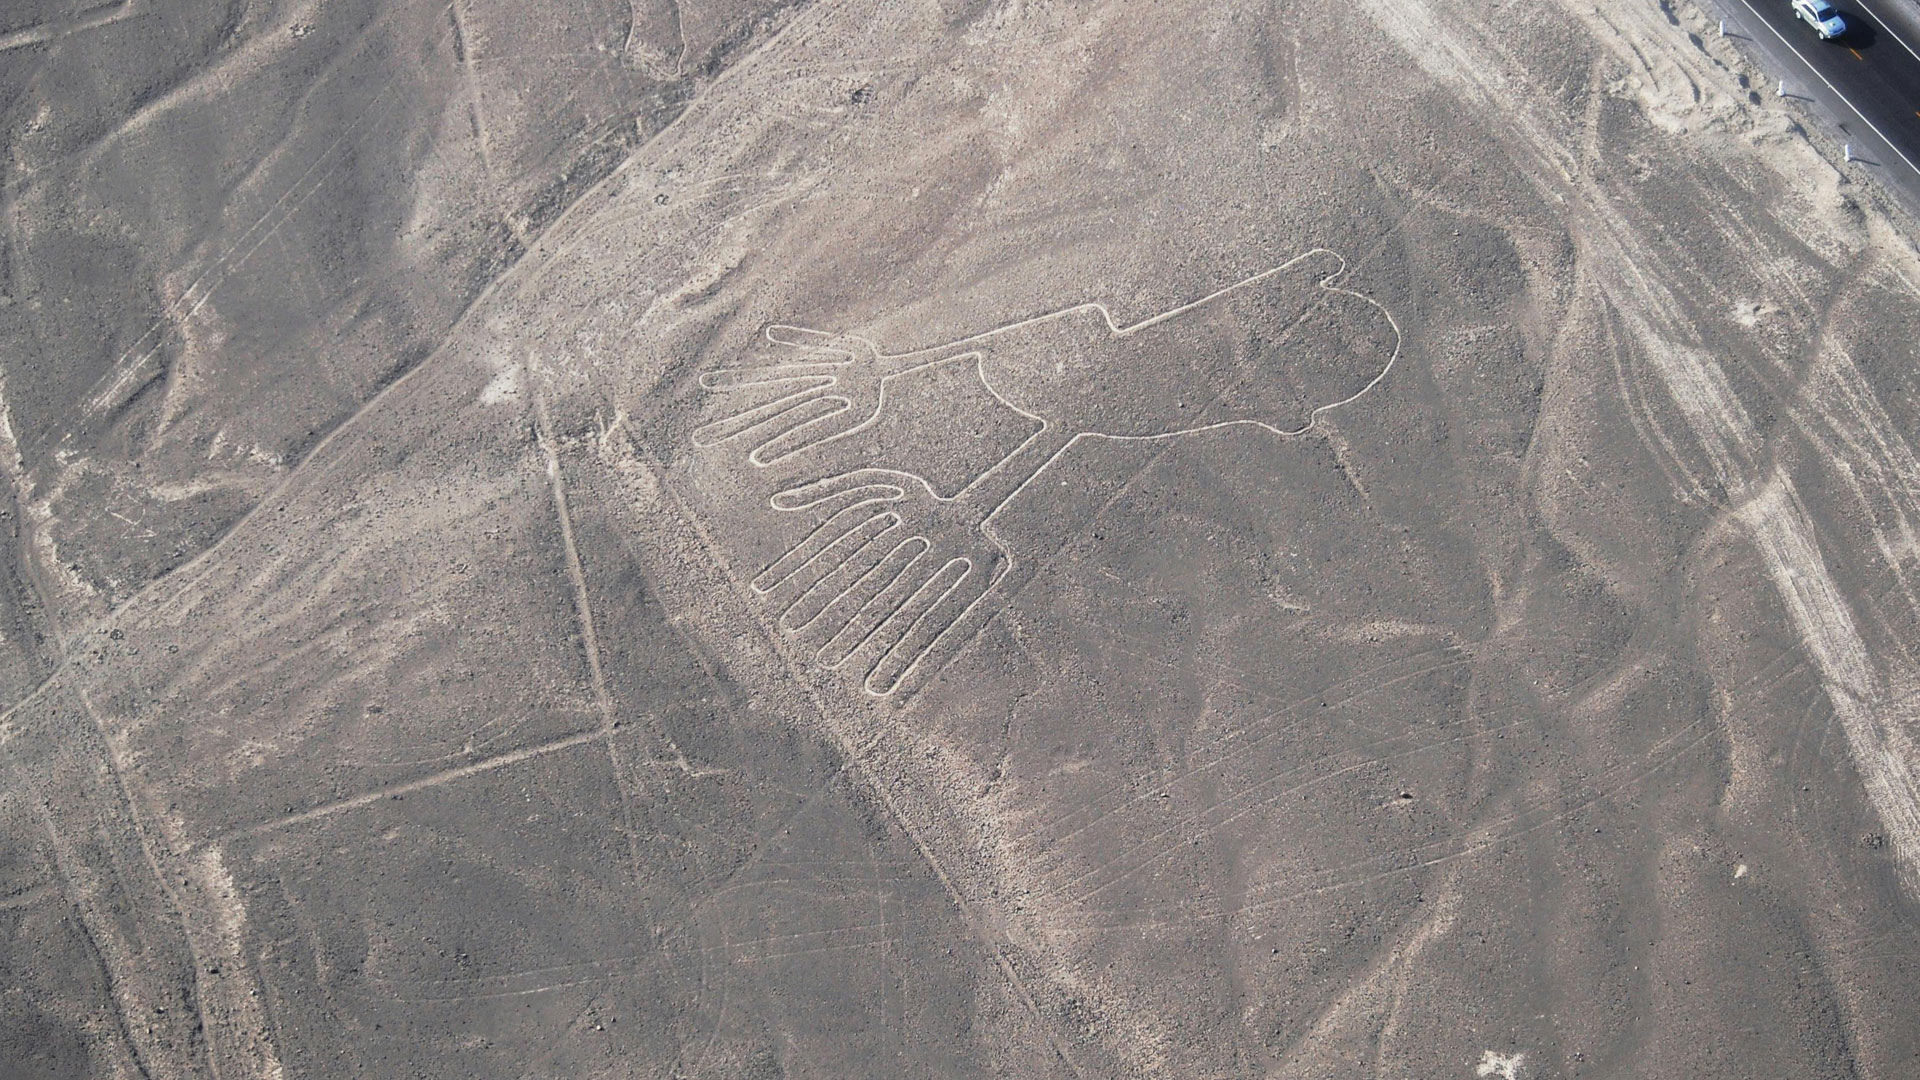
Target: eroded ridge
897	576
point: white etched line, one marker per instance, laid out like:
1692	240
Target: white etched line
354	802
53	30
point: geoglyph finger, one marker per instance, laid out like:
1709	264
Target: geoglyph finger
902	605
817	543
920	621
950	620
799	414
744	421
850	613
828	494
819	341
813	430
863	549
861	610
731	380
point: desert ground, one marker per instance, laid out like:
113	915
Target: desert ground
949	538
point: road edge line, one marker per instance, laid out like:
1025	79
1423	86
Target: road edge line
1829	85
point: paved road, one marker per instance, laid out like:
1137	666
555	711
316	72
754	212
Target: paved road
1869	78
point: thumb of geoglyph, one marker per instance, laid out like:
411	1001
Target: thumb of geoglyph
1271	348
1281	356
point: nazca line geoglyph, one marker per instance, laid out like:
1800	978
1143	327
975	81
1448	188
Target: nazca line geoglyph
897	577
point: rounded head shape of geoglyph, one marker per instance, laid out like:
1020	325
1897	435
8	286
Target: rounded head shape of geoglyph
1272	349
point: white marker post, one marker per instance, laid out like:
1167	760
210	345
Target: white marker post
1783	88
1847	149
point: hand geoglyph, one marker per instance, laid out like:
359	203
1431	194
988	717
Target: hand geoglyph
895	577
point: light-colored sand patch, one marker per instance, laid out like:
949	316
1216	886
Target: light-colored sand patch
503	388
1504	1066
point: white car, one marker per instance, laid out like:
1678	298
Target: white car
1820	15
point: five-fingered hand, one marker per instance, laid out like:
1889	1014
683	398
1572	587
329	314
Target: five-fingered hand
891	580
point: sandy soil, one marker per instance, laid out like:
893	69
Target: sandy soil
991	538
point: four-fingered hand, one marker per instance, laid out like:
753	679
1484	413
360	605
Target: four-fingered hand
892	578
785	407
1273	350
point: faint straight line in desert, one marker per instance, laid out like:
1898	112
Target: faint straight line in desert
129	983
29	896
354	802
548	257
210	280
577	574
589	637
28	536
1504	830
543	427
203	287
1236	806
476	109
1872	721
1148	791
116	766
54	29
